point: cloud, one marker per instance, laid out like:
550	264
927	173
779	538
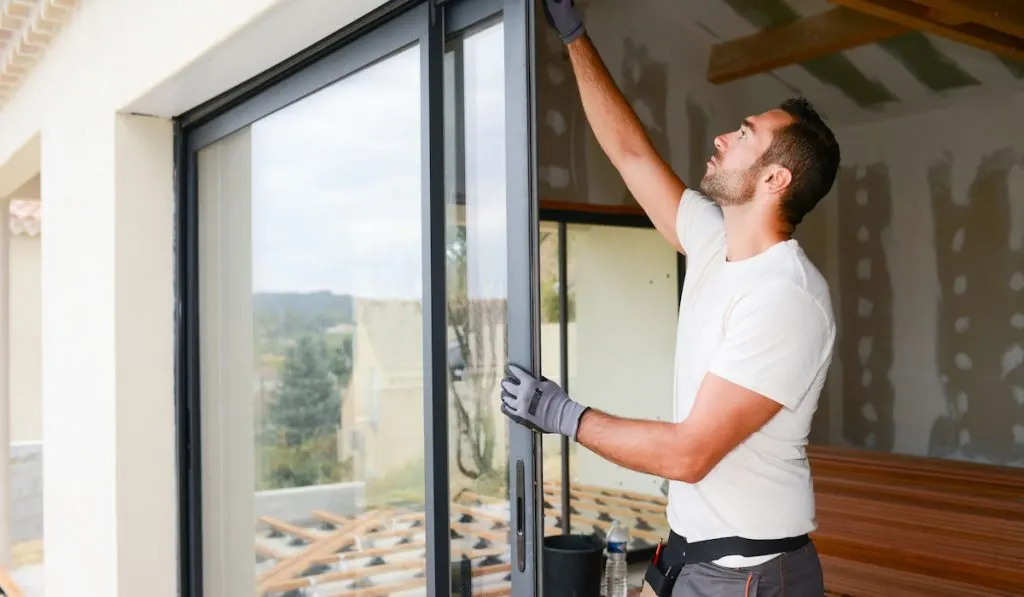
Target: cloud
337	181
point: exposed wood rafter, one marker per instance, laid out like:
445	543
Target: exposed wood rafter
996	26
1006	16
812	37
7	585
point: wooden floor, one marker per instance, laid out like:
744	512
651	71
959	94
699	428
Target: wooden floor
909	526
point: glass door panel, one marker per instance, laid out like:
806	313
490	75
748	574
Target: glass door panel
311	352
347	409
477	303
619	286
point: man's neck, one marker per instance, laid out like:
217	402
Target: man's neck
749	232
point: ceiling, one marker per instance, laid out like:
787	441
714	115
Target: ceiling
891	67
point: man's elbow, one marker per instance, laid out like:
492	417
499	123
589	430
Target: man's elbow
690	470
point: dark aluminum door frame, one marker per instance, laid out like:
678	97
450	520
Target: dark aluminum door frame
525	470
396	25
525	482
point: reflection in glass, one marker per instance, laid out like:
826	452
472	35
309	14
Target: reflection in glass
311	347
477	312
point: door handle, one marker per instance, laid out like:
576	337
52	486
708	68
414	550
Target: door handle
520	496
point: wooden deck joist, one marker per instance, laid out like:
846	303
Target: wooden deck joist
7	584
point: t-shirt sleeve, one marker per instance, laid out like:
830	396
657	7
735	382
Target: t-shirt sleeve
775	342
699	222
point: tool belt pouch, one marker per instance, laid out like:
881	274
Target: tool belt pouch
660	581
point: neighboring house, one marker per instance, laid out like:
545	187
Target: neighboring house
382	415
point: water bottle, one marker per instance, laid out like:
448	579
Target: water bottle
614	582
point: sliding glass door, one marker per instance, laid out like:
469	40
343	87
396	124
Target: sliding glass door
355	270
477	308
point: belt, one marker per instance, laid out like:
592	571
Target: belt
670	558
678	551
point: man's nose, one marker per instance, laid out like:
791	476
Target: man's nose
720	143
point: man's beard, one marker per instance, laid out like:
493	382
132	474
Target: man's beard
729	187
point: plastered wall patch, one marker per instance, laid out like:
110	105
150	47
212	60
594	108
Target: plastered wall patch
865	345
979	350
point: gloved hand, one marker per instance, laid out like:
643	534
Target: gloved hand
563	16
539	404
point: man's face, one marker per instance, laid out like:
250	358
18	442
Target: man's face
731	177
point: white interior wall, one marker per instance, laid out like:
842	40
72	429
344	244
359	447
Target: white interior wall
626	292
923	243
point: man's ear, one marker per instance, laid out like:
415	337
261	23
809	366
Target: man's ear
777	179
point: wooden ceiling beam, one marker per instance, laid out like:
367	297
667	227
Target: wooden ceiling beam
1000	15
917	15
818	35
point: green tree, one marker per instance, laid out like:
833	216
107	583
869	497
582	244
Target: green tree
304	417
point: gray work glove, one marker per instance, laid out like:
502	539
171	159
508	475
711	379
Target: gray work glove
539	404
563	16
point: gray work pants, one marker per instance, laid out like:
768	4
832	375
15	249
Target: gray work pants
793	574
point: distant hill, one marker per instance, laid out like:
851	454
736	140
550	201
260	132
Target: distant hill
288	314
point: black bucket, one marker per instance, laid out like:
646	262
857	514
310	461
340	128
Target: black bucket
573	565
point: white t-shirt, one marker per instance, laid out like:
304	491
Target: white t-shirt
764	323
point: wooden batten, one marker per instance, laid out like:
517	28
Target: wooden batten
1006	16
990	35
591	208
8	586
812	37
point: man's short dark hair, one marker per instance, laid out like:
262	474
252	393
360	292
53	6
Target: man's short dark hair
809	150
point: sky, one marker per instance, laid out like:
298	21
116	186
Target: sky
336	181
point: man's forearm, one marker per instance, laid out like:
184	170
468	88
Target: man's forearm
615	124
651	447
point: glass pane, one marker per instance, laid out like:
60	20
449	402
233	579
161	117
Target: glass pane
623	296
477	301
311	348
551	363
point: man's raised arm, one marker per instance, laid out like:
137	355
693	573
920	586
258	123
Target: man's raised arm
618	130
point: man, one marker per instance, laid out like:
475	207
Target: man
754	342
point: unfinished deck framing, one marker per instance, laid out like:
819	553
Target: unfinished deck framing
382	552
